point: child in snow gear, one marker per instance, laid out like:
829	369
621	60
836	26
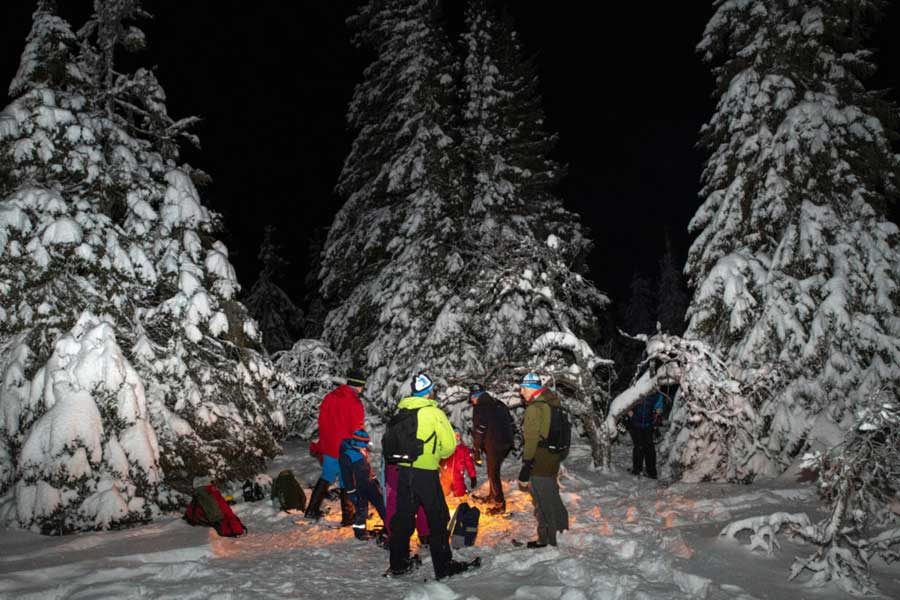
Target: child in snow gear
458	465
362	488
642	421
287	493
340	414
418	482
493	434
208	507
540	465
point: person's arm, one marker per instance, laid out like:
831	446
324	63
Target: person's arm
479	427
531	429
443	431
469	463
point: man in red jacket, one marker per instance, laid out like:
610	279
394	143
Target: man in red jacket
340	414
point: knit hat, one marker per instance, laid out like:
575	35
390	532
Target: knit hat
531	380
355	378
421	384
475	390
360	439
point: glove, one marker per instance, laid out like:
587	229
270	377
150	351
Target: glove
525	472
473	483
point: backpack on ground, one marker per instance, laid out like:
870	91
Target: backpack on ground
399	443
253	492
559	437
463	528
287	493
208	507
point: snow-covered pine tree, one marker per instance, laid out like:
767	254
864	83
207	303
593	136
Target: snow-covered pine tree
524	251
671	296
638	313
391	261
96	214
280	320
795	264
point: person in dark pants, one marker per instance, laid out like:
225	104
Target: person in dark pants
362	487
642	420
419	484
540	465
492	434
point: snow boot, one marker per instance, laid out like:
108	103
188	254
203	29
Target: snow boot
424	540
348	511
315	500
536	544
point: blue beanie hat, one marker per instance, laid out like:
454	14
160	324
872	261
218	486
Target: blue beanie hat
531	380
360	439
421	385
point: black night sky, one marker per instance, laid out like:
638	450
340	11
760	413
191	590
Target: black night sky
622	86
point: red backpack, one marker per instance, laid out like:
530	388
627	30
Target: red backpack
208	507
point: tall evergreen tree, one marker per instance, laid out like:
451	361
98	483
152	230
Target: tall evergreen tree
117	303
280	320
795	267
525	252
671	297
638	313
391	260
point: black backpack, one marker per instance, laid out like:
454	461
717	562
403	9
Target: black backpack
399	443
463	527
559	437
252	491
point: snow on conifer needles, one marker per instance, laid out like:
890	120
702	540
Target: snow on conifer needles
118	305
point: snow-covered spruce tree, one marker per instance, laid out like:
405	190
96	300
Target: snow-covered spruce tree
794	263
671	295
638	313
280	320
304	374
95	214
391	261
524	252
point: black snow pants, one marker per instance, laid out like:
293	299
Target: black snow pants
644	452
420	487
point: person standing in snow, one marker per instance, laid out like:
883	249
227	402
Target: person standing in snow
540	466
492	434
340	414
362	488
642	421
418	482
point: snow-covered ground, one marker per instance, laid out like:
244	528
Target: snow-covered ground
630	539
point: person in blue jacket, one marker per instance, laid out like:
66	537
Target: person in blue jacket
362	487
642	420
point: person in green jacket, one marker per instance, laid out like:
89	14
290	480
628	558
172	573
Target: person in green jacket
540	466
419	483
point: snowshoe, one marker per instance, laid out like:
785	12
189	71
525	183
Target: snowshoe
411	565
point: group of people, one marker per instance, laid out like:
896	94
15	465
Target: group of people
413	494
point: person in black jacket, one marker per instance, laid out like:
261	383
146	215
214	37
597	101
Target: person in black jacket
492	434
